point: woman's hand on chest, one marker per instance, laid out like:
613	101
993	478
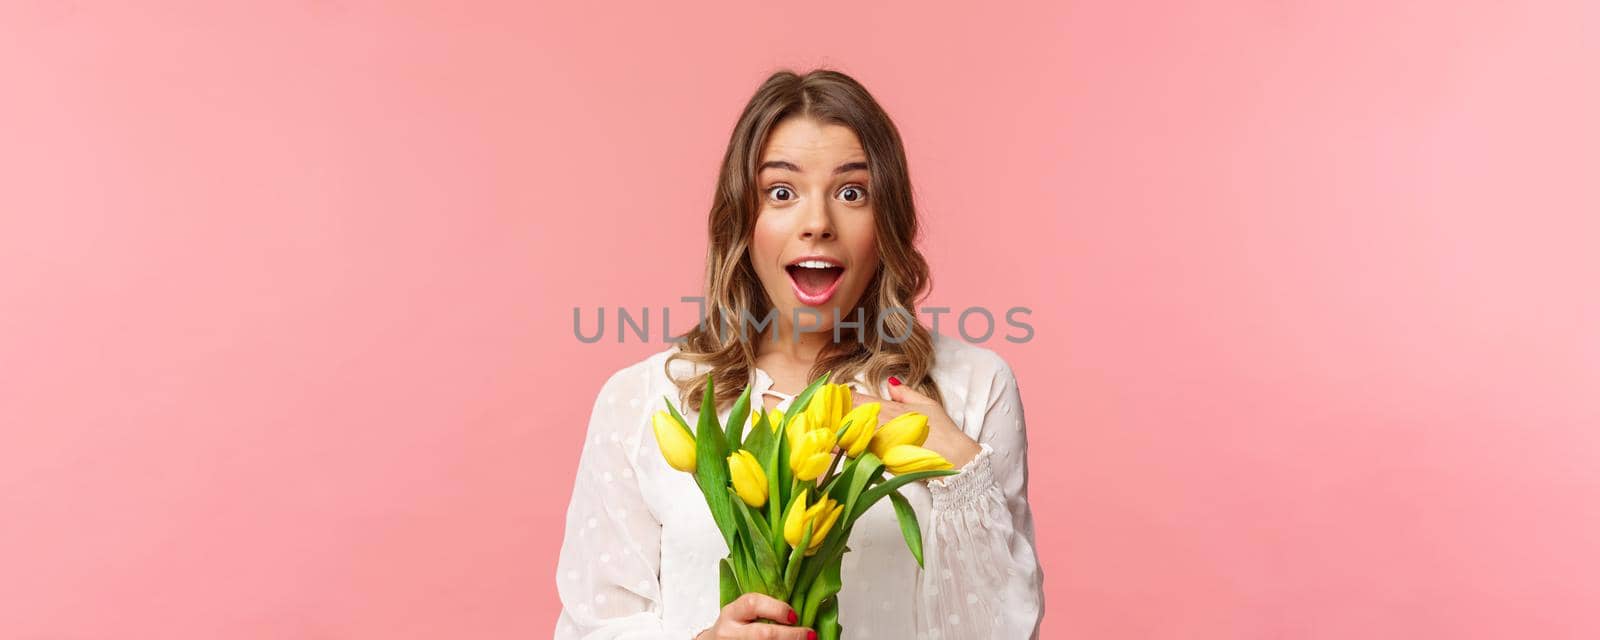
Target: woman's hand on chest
944	437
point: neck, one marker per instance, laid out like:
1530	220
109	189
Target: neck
781	341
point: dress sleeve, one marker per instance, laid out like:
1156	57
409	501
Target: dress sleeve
981	575
608	571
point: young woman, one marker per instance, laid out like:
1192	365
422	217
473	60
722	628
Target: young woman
811	230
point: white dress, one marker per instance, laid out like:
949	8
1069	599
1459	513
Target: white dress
639	558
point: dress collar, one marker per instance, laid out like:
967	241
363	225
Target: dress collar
763	388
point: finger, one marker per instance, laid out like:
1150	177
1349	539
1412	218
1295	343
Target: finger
887	409
755	605
763	631
899	392
858	399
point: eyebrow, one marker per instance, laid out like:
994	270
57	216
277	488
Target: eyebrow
785	164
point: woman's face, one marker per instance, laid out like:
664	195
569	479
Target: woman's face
815	243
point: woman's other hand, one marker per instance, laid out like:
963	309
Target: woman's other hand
944	437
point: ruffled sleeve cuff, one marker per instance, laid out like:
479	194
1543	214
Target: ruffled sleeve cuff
963	489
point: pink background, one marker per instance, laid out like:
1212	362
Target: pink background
286	298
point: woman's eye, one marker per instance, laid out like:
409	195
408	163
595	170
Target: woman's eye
780	193
852	194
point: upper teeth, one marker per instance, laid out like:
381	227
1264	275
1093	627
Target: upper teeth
813	264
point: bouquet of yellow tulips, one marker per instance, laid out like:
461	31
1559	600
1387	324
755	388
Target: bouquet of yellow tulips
783	504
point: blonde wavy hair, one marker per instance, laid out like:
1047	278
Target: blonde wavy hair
731	284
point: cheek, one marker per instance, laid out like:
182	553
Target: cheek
766	242
763	239
864	245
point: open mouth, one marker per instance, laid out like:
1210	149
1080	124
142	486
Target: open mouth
814	280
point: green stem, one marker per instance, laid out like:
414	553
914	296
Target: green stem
775	513
794	488
797	599
829	477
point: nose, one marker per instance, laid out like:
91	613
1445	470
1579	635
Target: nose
816	222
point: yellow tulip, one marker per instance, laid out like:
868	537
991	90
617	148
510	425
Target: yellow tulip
797	427
820	516
909	458
907	428
827	513
812	454
749	481
677	444
828	406
794	520
863	421
844	398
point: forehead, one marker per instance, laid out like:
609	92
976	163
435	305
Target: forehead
799	138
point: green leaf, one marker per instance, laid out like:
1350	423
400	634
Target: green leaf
800	401
760	437
755	531
827	626
849	486
711	466
835	547
878	492
746	512
842	428
827	586
777	468
749	578
737	565
728	582
777	487
792	572
741	559
908	524
760	444
866	470
736	418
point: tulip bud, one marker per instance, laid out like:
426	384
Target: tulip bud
863	421
749	481
794	520
907	428
677	444
796	428
821	516
908	458
844	398
812	454
828	405
824	514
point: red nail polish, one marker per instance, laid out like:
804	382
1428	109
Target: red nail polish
793	617
894	381
811	635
